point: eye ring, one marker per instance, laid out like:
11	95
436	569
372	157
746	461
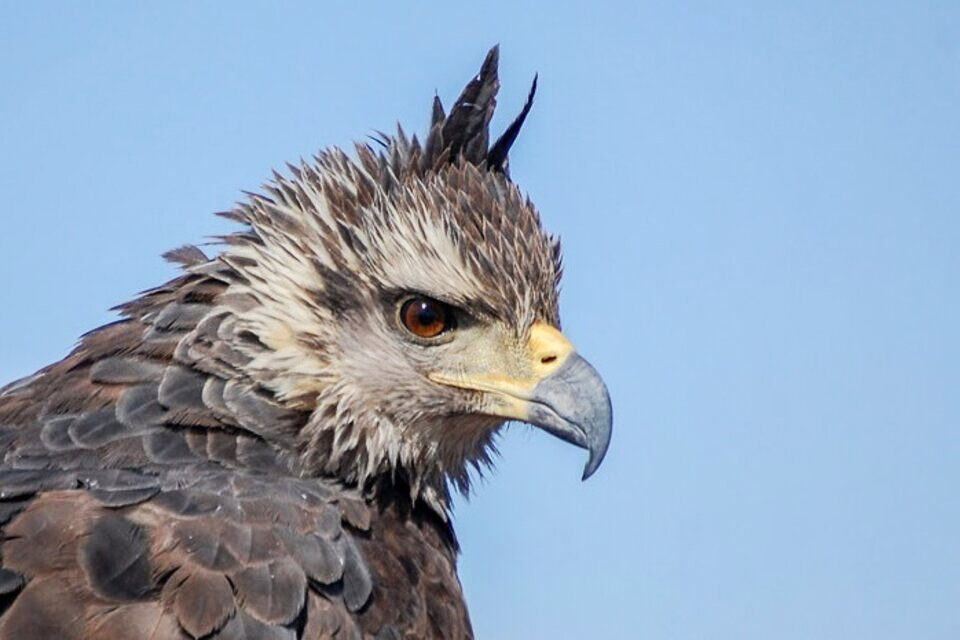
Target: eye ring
426	318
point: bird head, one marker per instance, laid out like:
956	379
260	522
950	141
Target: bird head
405	298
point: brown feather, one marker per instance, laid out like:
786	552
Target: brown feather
191	471
201	600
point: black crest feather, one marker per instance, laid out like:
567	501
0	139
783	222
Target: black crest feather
497	156
464	132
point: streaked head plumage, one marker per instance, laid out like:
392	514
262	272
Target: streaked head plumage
333	251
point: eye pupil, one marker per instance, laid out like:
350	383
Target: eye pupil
425	318
427	315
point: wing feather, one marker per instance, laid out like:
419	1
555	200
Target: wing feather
147	491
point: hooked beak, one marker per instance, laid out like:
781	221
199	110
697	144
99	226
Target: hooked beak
562	394
572	403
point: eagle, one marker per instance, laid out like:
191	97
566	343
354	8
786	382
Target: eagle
266	446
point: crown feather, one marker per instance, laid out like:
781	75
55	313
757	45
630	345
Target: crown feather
464	132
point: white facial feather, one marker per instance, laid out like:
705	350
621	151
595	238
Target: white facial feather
309	282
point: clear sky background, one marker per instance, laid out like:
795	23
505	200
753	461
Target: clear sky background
760	207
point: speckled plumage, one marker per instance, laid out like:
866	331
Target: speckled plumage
256	450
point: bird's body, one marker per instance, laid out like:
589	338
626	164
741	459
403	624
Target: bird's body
262	447
130	505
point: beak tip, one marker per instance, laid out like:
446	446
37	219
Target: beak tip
598	451
589	470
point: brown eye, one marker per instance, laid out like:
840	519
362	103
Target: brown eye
426	318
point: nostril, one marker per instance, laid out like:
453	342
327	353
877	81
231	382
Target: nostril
547	359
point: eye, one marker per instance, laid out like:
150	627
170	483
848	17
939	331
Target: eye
426	318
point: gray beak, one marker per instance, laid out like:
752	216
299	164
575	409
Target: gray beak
572	403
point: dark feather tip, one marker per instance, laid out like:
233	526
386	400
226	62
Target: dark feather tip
497	157
463	132
186	256
438	115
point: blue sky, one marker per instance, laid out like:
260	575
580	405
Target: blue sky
760	208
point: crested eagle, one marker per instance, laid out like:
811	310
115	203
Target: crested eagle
266	445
